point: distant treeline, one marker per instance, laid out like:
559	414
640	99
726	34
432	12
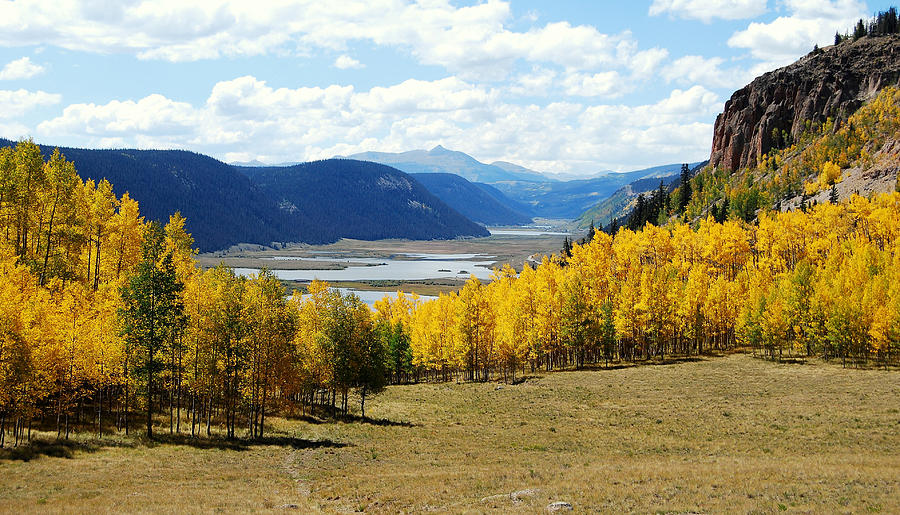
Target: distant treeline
317	202
882	24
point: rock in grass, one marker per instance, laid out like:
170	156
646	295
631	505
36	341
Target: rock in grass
559	506
515	497
521	494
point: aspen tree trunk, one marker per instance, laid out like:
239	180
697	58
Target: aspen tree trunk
97	262
100	409
49	235
178	403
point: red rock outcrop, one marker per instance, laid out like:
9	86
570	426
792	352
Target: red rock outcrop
833	82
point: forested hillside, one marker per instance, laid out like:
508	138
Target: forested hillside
569	199
221	206
615	209
499	196
224	207
828	162
470	199
363	200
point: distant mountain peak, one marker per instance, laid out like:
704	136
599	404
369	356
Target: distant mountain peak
441	159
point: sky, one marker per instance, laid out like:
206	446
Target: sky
575	87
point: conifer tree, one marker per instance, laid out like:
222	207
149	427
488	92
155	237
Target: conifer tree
152	311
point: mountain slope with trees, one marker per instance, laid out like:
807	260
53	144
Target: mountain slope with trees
470	199
776	108
221	205
362	200
224	207
569	199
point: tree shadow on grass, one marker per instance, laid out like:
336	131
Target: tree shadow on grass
309	419
620	365
51	447
374	421
239	444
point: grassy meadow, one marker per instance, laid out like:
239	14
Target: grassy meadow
720	434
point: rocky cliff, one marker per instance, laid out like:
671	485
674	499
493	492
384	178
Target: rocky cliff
832	82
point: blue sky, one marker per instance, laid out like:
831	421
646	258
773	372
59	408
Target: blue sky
564	86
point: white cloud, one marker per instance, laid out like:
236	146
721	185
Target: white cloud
415	96
604	84
707	10
151	121
20	69
644	64
13	130
695	69
469	41
247	118
536	83
14	104
809	23
345	62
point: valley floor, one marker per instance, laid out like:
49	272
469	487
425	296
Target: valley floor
732	433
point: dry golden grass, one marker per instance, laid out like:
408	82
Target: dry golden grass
730	434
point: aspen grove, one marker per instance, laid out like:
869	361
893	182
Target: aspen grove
106	322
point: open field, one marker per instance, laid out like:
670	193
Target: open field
732	434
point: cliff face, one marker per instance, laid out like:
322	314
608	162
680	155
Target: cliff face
831	83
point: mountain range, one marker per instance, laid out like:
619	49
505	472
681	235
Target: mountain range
569	199
323	201
479	202
442	160
522	190
316	202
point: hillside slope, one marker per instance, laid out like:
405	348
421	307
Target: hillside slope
221	205
470	199
362	200
322	202
569	199
827	163
775	108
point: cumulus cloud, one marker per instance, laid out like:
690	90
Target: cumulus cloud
695	69
151	122
535	83
20	69
345	62
604	84
809	23
707	10
247	118
14	104
470	41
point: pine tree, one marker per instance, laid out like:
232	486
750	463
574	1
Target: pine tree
152	310
860	31
684	196
371	373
